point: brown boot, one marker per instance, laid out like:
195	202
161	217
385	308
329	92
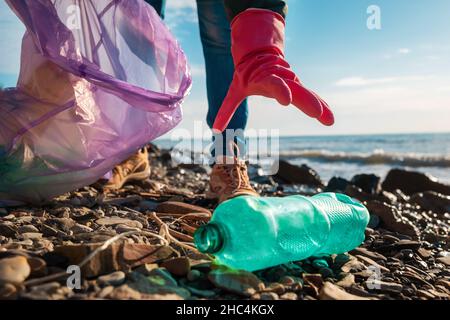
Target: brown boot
229	179
135	168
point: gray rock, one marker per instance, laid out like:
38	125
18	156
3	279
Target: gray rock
79	228
28	229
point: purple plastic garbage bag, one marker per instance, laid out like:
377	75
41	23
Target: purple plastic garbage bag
99	79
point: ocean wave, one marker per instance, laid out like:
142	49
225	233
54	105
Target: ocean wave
376	157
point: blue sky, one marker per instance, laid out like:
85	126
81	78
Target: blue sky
392	80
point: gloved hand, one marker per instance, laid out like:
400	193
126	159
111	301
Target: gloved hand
260	69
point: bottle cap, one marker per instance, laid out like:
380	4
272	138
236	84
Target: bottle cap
208	238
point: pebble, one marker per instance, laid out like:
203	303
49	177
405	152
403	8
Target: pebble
269	296
8	292
79	228
444	260
28	229
289	296
14	270
111	221
177	266
347	281
382	286
31	236
276	287
48	231
240	282
113	279
38	267
330	291
8	230
147	268
193	275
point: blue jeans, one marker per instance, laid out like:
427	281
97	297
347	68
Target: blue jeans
215	35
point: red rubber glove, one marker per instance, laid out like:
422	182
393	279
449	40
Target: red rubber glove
257	37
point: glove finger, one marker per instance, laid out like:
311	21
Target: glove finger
226	112
280	71
275	87
327	117
305	100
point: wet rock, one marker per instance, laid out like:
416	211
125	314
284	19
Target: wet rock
432	201
369	183
112	221
177	266
240	282
358	193
392	219
331	292
113	279
293	174
14	270
411	182
337	184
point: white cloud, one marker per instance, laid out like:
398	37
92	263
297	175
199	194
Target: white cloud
362	81
404	51
181	11
397	54
418	92
181	4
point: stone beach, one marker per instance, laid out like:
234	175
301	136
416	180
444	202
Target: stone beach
137	243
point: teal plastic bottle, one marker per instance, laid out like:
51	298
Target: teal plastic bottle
253	233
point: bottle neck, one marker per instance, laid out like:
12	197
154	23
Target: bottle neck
209	238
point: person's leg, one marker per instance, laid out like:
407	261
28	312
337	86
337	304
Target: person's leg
227	179
215	35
